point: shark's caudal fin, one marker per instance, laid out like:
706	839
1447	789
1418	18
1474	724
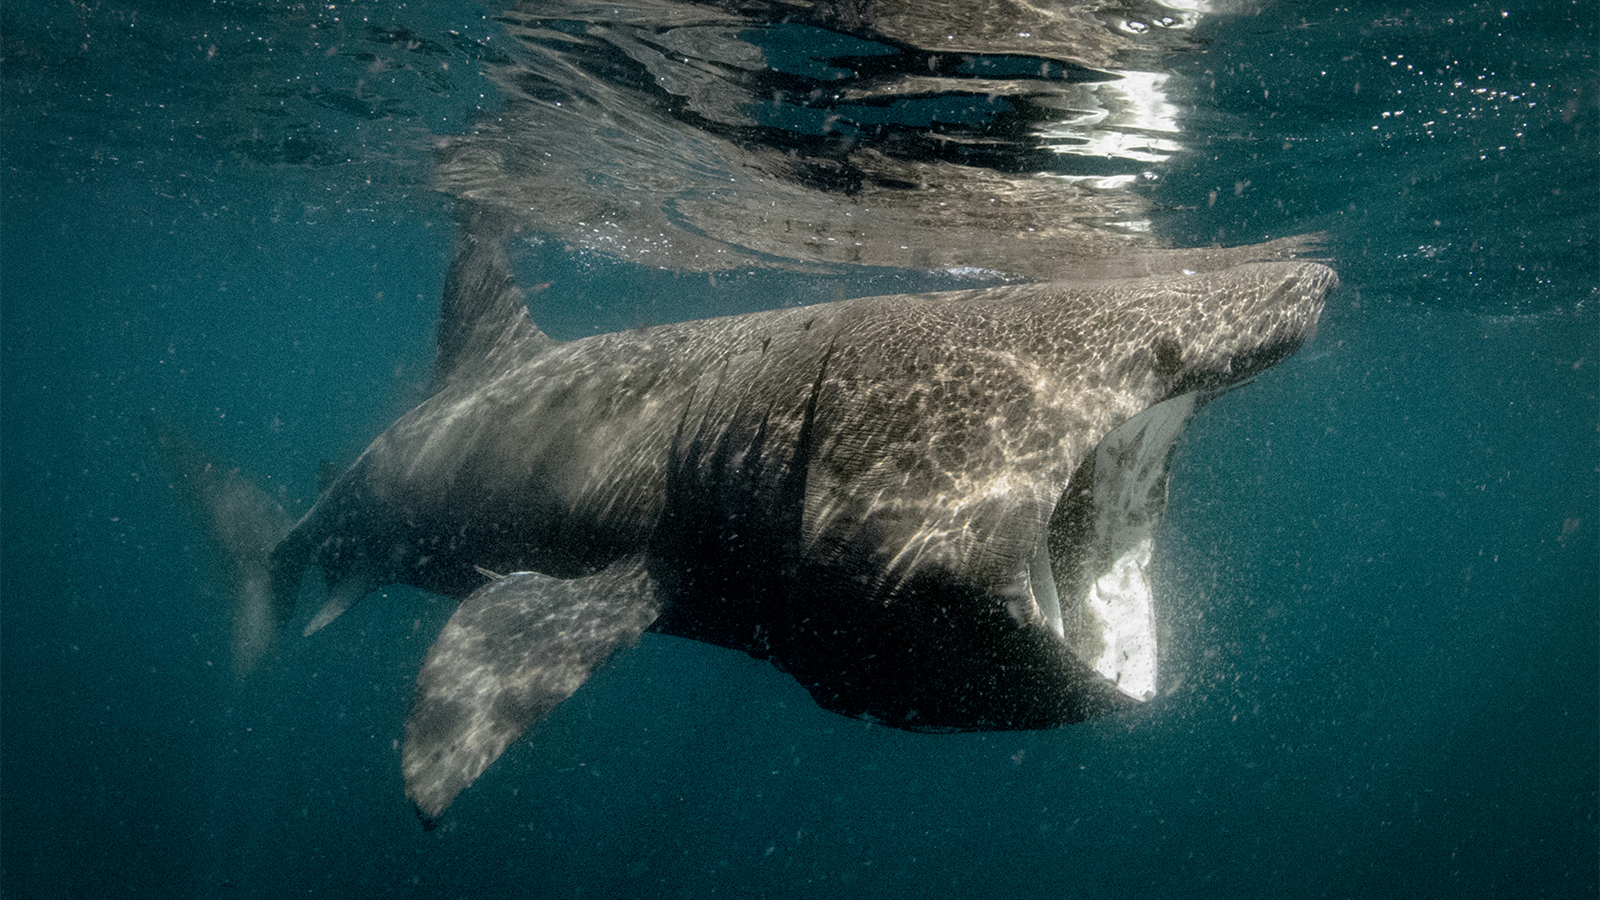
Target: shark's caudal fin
244	523
483	319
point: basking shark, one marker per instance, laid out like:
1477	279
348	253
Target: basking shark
934	511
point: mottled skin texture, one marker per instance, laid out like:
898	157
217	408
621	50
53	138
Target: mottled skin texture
855	490
937	415
512	651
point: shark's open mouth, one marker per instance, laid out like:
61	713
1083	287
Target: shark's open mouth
1091	574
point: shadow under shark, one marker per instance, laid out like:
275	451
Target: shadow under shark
934	511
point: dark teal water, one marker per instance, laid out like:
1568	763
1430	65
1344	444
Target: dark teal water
1384	554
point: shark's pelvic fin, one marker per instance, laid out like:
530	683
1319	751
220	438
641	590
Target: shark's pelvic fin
355	584
514	649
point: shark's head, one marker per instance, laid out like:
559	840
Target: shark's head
1002	562
1204	335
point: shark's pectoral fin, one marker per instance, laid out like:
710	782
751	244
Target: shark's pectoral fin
513	650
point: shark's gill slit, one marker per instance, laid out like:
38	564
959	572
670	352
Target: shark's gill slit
1091	578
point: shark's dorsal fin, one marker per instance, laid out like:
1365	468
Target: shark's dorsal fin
483	319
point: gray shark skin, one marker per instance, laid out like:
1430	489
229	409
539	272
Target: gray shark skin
934	511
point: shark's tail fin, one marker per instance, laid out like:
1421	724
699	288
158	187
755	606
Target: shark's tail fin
483	319
244	523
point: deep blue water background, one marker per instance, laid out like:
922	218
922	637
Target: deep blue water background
1381	558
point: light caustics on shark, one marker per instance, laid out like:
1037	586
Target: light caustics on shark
933	511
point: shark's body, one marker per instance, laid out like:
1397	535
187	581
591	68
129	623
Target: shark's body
932	510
